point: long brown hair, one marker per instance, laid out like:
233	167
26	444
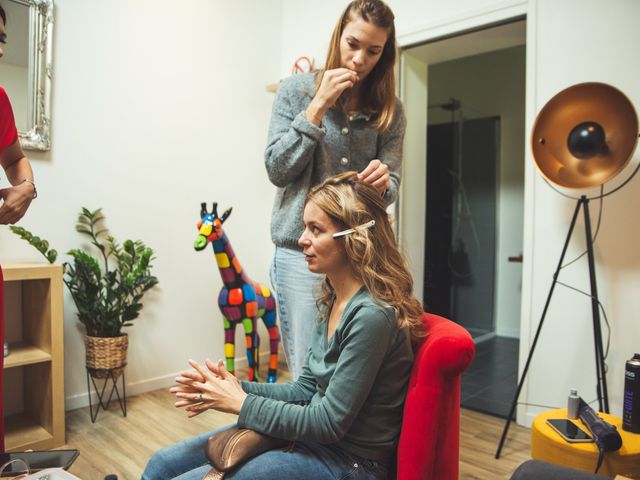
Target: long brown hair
373	254
378	91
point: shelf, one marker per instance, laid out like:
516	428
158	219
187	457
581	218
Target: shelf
13	271
33	319
21	354
21	432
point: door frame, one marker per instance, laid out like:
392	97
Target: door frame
413	74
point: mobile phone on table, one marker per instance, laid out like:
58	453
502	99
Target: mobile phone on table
568	430
37	460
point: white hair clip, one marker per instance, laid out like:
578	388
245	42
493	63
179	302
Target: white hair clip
352	230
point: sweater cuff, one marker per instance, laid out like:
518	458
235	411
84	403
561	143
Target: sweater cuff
247	386
244	411
304	126
390	194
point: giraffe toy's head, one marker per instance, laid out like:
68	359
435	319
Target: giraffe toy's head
209	225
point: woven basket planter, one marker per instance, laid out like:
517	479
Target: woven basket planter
105	354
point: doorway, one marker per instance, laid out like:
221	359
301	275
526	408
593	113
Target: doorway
475	201
460	226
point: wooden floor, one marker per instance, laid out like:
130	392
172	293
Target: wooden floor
122	446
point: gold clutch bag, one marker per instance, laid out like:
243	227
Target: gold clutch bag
231	448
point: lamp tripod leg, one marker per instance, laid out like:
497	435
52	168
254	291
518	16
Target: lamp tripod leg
601	374
514	403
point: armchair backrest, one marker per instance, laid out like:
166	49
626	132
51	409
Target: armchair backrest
430	436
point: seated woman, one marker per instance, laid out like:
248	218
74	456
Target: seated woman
345	411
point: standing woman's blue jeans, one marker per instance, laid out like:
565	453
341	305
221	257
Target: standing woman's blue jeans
294	285
308	461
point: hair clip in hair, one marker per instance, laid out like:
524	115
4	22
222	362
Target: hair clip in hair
344	233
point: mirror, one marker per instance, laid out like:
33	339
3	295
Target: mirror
25	68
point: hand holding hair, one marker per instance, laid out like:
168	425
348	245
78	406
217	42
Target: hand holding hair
376	174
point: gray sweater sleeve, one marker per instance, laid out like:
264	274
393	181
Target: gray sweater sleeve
390	152
364	345
300	390
292	138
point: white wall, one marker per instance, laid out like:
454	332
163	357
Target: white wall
492	84
158	106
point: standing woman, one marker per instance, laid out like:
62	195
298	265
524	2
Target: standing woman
344	412
344	117
15	200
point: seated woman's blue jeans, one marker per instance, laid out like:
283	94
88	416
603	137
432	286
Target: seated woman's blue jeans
308	461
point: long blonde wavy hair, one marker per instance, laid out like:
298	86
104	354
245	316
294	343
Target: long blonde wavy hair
373	254
378	91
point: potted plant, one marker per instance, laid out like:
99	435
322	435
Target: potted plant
106	290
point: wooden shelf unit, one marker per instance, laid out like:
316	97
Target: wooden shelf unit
33	307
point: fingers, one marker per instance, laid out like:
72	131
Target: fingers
366	172
190	398
381	183
204	373
185	389
5	216
16	202
372	171
376	174
221	369
334	83
191	408
191	376
218	368
341	75
195	413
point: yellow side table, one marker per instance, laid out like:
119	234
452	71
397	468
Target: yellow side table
549	446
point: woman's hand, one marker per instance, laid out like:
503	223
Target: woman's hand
16	202
377	175
207	388
333	84
17	198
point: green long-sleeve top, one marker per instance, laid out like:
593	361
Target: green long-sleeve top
352	388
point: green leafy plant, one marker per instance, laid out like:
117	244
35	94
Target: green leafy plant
38	243
107	290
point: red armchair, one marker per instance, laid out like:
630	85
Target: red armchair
430	436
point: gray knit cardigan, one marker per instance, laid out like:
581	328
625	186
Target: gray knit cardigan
300	155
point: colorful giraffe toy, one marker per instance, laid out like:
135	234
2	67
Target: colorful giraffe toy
241	300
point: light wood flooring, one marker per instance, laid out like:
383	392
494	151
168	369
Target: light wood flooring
122	446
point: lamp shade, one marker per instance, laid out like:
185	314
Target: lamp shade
585	135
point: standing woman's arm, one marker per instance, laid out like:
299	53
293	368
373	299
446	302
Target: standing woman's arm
383	172
390	152
292	137
16	199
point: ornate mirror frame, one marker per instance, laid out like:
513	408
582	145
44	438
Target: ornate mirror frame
37	135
